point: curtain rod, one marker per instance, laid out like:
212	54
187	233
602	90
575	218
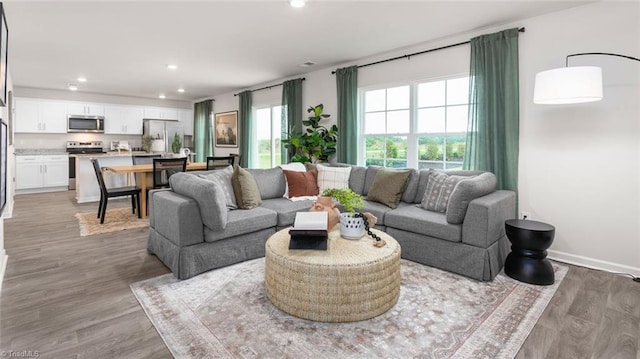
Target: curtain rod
268	87
417	53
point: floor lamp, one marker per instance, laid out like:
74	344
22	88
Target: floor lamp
577	84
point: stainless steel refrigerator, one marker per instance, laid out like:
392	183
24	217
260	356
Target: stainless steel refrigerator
164	130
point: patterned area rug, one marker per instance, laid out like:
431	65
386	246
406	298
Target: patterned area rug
224	313
117	219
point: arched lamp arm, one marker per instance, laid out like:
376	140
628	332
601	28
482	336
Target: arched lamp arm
599	53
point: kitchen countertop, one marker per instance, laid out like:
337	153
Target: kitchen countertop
39	151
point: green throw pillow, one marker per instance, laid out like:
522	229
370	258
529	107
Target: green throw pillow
245	189
388	186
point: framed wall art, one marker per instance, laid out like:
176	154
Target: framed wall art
4	56
226	129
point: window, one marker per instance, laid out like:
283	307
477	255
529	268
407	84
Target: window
421	125
268	133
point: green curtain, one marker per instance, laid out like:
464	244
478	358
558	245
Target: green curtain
203	130
347	84
291	114
493	130
246	128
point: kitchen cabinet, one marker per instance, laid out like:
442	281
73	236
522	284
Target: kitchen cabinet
125	120
186	118
86	109
40	116
161	113
39	173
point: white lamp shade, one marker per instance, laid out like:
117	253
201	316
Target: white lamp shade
568	85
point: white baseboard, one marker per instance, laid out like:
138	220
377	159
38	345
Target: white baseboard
4	258
593	263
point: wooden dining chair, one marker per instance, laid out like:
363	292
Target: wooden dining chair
163	168
106	193
214	163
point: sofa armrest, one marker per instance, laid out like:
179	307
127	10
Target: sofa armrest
176	217
484	222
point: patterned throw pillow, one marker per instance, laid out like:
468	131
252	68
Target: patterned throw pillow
332	177
438	191
223	178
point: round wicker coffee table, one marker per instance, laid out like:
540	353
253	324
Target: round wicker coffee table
352	280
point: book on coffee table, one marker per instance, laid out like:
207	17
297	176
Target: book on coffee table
309	231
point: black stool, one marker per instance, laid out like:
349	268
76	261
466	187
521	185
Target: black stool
528	261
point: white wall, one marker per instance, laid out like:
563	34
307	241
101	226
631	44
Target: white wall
579	164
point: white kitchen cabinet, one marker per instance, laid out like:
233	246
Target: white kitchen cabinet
186	118
125	120
40	116
161	113
85	109
40	173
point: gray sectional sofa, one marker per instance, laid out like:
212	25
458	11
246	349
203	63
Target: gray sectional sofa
192	231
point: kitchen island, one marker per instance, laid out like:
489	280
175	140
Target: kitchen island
87	189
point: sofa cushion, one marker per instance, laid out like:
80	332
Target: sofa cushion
372	171
379	210
332	177
414	219
438	191
292	166
223	178
356	179
207	194
245	189
466	191
271	182
242	222
301	183
412	186
286	209
388	186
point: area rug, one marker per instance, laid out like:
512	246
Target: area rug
224	313
117	219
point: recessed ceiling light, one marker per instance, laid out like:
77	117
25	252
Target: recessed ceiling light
172	67
73	87
297	3
82	79
162	96
307	64
180	90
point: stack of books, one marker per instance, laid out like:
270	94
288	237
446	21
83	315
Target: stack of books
309	231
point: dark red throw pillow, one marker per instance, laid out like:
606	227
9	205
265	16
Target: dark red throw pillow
301	183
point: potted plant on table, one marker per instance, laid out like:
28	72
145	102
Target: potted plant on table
351	223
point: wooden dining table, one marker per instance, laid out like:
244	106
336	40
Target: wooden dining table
144	177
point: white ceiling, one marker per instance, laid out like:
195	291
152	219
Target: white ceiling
122	48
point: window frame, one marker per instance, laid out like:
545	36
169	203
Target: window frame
413	136
255	161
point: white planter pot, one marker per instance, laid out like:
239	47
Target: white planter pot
351	227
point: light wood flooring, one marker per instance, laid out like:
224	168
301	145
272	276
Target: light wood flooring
67	296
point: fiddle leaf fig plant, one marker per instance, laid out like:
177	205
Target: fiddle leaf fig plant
349	200
317	143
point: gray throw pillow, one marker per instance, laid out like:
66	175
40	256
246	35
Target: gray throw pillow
466	191
440	186
388	186
246	189
223	178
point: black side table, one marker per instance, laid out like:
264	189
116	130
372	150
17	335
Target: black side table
528	261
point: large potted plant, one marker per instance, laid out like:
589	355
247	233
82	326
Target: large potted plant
351	226
317	143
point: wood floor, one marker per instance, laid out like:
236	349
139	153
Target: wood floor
67	296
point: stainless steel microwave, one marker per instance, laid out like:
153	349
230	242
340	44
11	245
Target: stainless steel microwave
76	123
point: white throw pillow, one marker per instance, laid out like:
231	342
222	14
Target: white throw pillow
292	166
333	177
